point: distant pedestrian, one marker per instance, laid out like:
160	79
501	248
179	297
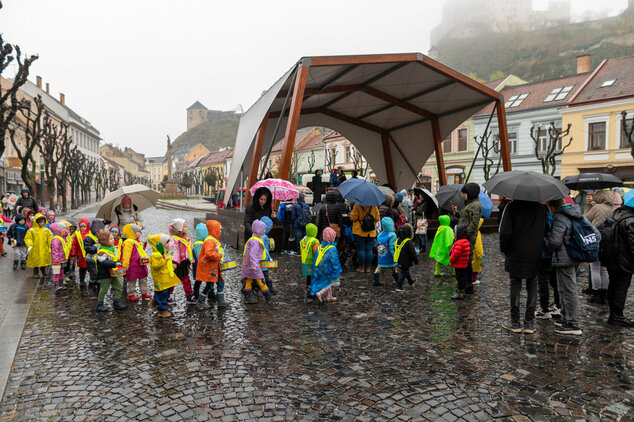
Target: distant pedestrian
334	182
441	247
26	201
405	255
326	269
522	230
385	246
301	216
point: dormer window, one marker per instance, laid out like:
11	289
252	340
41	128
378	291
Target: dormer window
516	100
608	83
558	94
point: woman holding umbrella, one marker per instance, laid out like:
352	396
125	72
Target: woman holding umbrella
259	207
127	212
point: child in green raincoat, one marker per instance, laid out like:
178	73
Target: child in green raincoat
308	247
441	248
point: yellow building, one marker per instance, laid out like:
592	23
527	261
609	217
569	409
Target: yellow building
157	166
599	143
195	152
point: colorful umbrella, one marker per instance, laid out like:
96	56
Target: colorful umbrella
280	189
487	204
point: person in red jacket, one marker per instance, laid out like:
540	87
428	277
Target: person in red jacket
459	259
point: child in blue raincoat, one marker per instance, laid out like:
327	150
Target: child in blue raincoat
267	248
386	241
201	235
326	267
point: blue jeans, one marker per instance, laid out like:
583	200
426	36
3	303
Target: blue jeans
300	232
161	299
364	250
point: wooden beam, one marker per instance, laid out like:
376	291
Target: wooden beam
310	110
387	157
504	135
459	77
440	159
293	122
352	120
327	90
398	102
255	158
364	59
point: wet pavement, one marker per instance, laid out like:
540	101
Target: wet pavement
373	355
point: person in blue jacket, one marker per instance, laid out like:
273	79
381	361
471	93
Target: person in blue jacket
326	267
386	241
16	233
267	249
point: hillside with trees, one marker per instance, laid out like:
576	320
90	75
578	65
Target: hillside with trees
213	135
543	54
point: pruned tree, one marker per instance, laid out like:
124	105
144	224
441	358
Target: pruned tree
490	150
33	113
102	180
87	176
48	149
128	179
628	128
165	180
74	176
331	159
185	181
292	171
10	105
63	158
311	161
360	165
197	179
114	179
547	154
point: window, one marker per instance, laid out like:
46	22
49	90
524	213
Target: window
463	144
447	145
515	100
626	126
596	136
558	94
333	155
513	142
608	83
349	154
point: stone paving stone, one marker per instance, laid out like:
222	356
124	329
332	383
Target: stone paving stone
374	355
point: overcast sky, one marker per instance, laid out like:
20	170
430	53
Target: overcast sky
132	67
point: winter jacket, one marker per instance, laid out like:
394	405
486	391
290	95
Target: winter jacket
254	252
254	211
59	246
478	251
208	267
309	244
559	235
131	254
470	216
105	262
624	261
125	217
78	244
407	256
327	270
335	211
334	182
298	209
461	249
442	241
18	231
201	236
386	210
356	216
522	229
28	202
386	241
265	238
602	208
162	269
40	240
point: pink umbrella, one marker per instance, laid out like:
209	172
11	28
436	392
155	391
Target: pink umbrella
280	189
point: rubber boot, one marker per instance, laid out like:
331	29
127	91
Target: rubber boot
202	301
459	295
220	300
91	288
375	280
23	265
249	299
15	265
118	305
269	284
395	276
437	273
269	296
101	307
36	273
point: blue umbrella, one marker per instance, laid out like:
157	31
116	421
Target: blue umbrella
487	204
362	192
629	199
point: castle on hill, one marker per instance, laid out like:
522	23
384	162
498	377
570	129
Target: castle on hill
198	113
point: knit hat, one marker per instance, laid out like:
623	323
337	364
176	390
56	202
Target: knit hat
126	200
472	190
115	229
96	225
136	228
104	238
177	224
329	235
164	238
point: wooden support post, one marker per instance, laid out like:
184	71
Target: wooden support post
504	136
387	156
440	159
292	123
255	158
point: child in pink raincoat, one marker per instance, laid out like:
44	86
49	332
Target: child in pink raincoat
60	251
254	252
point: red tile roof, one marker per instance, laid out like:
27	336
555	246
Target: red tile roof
214	157
620	70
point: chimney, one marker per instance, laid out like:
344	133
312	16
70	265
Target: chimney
62	98
583	63
47	88
38	79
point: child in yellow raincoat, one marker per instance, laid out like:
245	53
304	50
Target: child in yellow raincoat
38	246
478	254
162	270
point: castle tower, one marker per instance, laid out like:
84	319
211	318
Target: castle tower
196	114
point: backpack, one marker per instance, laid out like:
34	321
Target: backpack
402	220
584	244
367	224
281	211
305	217
610	245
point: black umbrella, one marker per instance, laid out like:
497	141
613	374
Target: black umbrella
526	186
592	181
448	195
427	194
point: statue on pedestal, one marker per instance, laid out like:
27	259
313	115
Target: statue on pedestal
171	187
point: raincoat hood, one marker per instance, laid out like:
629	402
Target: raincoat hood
153	240
256	197
55	229
472	190
38	216
96	226
213	228
311	230
604	197
573	211
86	222
332	197
258	228
115	228
201	231
461	231
19	217
406	231
128	232
444	220
329	235
50	215
388	224
268	222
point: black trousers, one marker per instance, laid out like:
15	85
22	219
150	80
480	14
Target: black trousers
461	278
531	299
617	291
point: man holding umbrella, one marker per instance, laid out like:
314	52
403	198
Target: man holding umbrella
470	217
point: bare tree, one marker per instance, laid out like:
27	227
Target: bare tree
33	113
63	159
628	128
489	149
547	154
48	149
311	161
9	103
74	175
114	179
331	159
360	165
87	176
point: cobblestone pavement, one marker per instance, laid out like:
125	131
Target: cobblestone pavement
373	355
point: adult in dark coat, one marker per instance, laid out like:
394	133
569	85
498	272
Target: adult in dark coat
317	187
334	205
259	207
621	267
522	230
26	201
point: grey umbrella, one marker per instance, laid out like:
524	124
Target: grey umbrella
450	194
526	186
592	181
427	194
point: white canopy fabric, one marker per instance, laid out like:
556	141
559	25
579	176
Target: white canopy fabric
360	96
